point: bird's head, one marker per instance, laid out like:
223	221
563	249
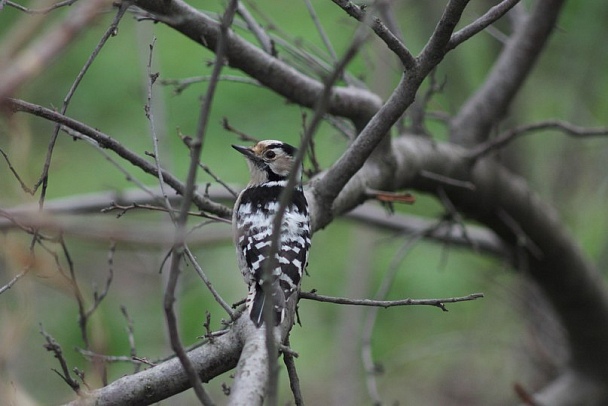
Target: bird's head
268	160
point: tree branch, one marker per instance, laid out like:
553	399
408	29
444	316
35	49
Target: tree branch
168	378
381	30
561	265
491	101
440	303
179	245
436	47
508	136
357	104
491	16
105	141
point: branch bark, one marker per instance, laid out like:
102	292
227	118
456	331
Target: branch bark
570	282
357	104
106	141
169	378
554	261
490	103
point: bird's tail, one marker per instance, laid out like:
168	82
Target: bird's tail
256	307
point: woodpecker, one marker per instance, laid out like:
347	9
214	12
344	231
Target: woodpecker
270	163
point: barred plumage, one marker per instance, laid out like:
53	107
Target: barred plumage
270	163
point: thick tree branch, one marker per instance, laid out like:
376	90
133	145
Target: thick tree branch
436	47
169	378
357	104
490	103
570	282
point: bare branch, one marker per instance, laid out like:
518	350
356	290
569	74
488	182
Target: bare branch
179	85
356	104
440	303
261	35
241	134
105	141
24	187
44	10
13	281
491	101
44	176
151	79
332	182
97	296
168	378
491	16
389	38
131	335
508	136
179	245
216	178
321	31
218	298
294	381
54	347
436	47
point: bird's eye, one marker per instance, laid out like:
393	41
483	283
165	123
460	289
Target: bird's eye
269	154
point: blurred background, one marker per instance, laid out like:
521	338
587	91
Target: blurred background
472	355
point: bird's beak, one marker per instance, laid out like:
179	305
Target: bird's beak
247	151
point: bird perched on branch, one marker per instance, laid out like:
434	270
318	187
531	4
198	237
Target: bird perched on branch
270	163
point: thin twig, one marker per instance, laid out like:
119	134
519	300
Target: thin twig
13	281
312	153
98	297
216	178
455	217
218	298
54	347
179	246
285	198
118	165
491	16
152	77
558	125
88	354
105	141
463	184
372	314
321	31
440	303
44	10
242	136
389	38
134	206
131	335
256	29
43	180
179	85
294	381
24	187
83	317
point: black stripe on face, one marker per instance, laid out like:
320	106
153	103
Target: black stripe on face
288	149
272	177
